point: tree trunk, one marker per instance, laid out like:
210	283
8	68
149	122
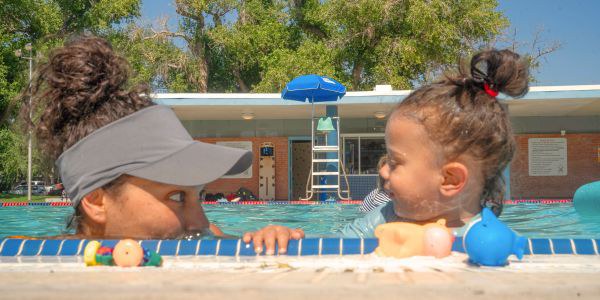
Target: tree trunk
242	86
357	75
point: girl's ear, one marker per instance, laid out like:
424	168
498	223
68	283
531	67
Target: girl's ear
455	176
94	206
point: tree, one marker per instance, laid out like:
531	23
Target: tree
257	45
45	24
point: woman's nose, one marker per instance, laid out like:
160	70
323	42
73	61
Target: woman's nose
195	218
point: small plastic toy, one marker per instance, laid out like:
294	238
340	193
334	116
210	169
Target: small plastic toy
489	242
126	253
400	239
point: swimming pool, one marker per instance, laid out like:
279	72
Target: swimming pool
533	220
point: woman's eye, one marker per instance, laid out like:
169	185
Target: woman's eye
177	197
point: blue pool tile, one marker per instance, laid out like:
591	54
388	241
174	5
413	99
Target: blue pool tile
228	247
208	247
584	246
292	248
151	245
562	246
168	247
70	248
188	247
541	246
31	247
458	245
310	247
50	247
370	245
330	246
247	249
109	243
350	246
11	247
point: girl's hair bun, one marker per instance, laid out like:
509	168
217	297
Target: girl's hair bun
502	70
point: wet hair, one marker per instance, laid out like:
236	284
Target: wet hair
82	87
461	114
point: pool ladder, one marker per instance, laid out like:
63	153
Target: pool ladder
317	162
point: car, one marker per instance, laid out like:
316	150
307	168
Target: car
22	190
19	190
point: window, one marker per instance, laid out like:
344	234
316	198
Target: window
371	149
362	152
351	155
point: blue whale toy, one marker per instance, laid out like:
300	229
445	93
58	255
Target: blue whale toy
489	242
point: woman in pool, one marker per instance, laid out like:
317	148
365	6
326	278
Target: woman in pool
129	166
447	145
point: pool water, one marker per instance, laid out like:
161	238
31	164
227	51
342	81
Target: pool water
531	220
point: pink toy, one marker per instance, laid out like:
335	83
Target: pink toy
128	253
401	239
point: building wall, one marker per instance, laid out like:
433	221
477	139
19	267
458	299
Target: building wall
583	166
267	128
231	185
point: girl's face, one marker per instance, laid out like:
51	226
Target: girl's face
413	173
146	209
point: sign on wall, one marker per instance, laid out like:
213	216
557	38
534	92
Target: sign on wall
246	145
547	157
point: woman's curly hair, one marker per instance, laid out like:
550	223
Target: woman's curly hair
81	88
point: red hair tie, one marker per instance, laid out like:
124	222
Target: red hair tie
489	90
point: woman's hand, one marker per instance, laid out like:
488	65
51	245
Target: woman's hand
271	234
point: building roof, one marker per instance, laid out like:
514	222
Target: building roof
579	100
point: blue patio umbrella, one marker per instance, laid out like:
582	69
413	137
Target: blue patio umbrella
313	88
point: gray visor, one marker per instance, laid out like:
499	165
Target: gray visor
150	144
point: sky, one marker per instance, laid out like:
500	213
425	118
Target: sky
575	24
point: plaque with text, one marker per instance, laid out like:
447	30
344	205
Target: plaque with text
547	157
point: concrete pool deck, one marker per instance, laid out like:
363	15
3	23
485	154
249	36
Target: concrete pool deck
326	277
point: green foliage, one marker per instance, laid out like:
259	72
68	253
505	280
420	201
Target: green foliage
45	24
257	45
13	164
246	45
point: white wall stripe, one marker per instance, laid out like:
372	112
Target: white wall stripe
20	248
320	246
595	244
237	247
177	249
341	246
198	246
218	247
530	247
2	245
362	246
573	248
299	247
551	246
41	247
80	247
60	248
158	246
